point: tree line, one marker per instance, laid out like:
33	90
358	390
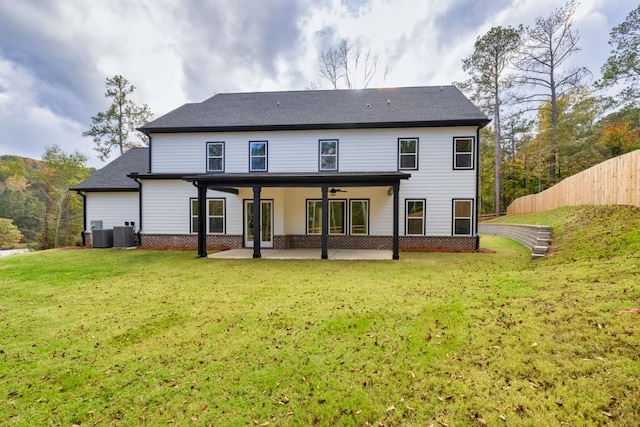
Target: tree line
37	207
549	121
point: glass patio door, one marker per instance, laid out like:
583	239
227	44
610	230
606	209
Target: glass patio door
266	223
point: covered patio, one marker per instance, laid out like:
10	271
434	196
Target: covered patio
257	181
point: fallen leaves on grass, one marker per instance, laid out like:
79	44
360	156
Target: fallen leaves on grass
481	420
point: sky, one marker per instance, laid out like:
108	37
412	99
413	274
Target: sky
56	54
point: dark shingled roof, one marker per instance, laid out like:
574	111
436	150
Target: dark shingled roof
113	177
324	109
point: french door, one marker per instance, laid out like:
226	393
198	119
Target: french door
266	223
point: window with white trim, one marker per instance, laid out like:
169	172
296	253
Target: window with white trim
415	211
215	216
463	149
258	156
328	154
407	153
215	156
337	215
359	212
462	217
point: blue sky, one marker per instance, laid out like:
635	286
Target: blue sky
56	54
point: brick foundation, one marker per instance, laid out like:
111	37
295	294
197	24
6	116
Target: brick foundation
302	241
438	243
189	241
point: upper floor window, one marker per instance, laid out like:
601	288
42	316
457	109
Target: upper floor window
215	156
462	216
407	153
463	153
328	149
415	210
258	156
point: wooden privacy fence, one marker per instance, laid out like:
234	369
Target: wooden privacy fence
613	182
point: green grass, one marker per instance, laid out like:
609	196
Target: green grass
115	337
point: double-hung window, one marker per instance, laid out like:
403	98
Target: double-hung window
463	149
337	216
415	210
328	155
215	216
215	156
258	156
462	217
407	153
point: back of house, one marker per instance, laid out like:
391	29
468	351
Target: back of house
393	168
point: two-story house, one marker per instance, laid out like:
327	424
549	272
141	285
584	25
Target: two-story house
372	168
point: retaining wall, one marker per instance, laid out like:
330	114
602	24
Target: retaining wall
535	237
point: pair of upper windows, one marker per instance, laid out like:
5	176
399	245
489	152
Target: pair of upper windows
258	159
462	153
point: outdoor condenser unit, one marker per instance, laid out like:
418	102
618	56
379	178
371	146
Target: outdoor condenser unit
102	238
123	237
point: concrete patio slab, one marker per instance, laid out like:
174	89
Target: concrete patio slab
334	254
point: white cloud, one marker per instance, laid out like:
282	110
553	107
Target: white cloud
27	126
55	56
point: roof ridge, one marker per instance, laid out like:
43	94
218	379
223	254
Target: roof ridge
367	89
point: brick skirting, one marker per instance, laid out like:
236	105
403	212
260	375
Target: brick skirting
438	243
406	243
303	241
189	241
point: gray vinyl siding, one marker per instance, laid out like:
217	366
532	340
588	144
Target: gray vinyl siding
166	206
112	208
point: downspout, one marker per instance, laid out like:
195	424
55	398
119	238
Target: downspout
139	233
84	217
149	136
477	203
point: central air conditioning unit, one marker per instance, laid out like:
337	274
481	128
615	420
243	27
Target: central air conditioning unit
102	238
123	237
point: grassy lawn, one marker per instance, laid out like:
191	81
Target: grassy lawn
116	337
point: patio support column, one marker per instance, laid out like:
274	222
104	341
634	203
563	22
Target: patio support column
257	222
202	220
325	222
396	219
